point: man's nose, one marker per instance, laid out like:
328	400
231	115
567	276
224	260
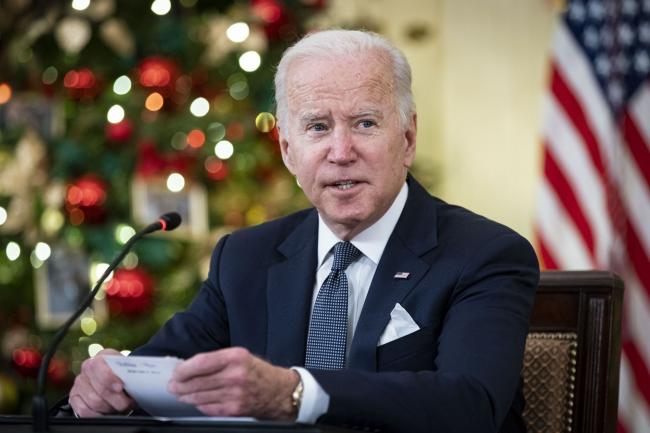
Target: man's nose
342	149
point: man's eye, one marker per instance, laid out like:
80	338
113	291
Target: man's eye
367	123
318	127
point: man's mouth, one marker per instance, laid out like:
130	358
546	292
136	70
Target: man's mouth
344	184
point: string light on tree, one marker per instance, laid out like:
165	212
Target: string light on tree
122	85
199	107
154	102
49	76
97	270
94	349
42	251
175	182
52	220
80	5
123	233
161	7
88	325
115	114
35	261
238	32
224	149
195	138
3	215
215	132
250	61
179	140
13	251
5	93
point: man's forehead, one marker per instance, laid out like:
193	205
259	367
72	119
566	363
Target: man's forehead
365	77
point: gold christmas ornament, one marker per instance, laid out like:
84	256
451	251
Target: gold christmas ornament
265	122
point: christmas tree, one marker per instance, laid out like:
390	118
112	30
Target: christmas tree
111	113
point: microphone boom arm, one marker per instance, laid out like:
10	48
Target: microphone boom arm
167	222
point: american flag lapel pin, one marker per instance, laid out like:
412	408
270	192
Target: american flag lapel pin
401	275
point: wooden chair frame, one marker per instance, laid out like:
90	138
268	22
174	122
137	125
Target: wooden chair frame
588	304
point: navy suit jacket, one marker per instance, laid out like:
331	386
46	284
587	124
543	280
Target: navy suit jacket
470	289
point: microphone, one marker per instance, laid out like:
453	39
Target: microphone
166	222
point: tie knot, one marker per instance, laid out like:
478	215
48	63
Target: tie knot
344	254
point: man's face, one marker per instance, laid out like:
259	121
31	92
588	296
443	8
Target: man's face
344	141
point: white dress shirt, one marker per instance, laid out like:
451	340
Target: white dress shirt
371	242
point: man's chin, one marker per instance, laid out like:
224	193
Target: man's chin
346	224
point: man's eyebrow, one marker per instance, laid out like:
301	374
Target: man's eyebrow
312	116
366	113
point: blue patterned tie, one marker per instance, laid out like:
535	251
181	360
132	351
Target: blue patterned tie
328	329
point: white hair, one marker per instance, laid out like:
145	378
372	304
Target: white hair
334	43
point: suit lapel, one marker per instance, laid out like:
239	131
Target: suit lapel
411	238
289	292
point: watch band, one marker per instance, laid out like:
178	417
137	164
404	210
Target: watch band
296	396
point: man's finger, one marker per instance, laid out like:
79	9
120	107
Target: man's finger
221	409
101	375
207	363
215	381
80	407
82	391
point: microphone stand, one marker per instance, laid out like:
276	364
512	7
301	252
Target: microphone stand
39	402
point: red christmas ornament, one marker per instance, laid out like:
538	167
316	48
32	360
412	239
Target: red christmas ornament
119	132
85	200
159	74
129	292
274	16
58	373
215	168
151	162
81	84
27	361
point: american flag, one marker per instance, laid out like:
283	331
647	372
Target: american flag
594	207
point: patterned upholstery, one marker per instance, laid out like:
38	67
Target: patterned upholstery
549	381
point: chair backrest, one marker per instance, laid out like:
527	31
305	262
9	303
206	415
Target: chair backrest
573	351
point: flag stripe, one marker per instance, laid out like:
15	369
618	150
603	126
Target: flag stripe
635	197
567	148
573	65
633	412
638	148
574	111
637	256
562	240
637	314
548	262
568	198
638	369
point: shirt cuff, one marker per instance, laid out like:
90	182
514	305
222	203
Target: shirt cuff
315	401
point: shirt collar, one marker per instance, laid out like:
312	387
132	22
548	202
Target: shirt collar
372	241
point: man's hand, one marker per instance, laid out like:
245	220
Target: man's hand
233	382
97	390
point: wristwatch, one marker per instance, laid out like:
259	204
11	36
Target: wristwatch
296	396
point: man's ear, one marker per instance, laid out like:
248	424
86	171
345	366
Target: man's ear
285	149
410	138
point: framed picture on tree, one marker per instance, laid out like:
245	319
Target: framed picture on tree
154	196
62	282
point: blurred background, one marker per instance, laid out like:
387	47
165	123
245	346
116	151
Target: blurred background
113	112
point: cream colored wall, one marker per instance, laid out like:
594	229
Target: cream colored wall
478	80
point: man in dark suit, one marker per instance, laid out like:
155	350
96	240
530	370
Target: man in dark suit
382	308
